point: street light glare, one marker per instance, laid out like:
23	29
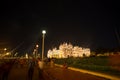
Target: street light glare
5	49
44	32
37	45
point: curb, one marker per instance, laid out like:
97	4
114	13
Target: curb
92	73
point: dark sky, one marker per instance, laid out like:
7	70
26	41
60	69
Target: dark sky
85	23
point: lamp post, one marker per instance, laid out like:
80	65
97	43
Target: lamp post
36	55
43	37
5	49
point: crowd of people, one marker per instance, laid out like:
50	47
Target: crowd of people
5	69
40	65
31	63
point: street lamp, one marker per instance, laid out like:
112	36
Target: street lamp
36	54
5	49
43	36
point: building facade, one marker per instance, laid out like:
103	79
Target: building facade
68	50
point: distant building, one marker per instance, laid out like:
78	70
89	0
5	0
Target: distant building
67	50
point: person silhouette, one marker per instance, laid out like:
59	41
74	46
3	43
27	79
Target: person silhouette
40	68
31	64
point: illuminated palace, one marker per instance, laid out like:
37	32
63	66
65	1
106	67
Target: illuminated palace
68	50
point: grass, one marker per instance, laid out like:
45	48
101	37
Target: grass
98	64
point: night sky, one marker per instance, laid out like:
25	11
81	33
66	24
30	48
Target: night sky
92	24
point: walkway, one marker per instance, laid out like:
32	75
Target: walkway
56	73
59	73
20	73
111	77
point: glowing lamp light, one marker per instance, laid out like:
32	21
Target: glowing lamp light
44	32
37	45
7	53
5	49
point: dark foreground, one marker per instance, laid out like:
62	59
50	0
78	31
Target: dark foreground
18	72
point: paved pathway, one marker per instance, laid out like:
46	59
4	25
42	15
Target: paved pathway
58	73
21	73
54	73
111	77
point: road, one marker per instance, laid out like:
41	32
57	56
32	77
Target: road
50	73
58	73
21	73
